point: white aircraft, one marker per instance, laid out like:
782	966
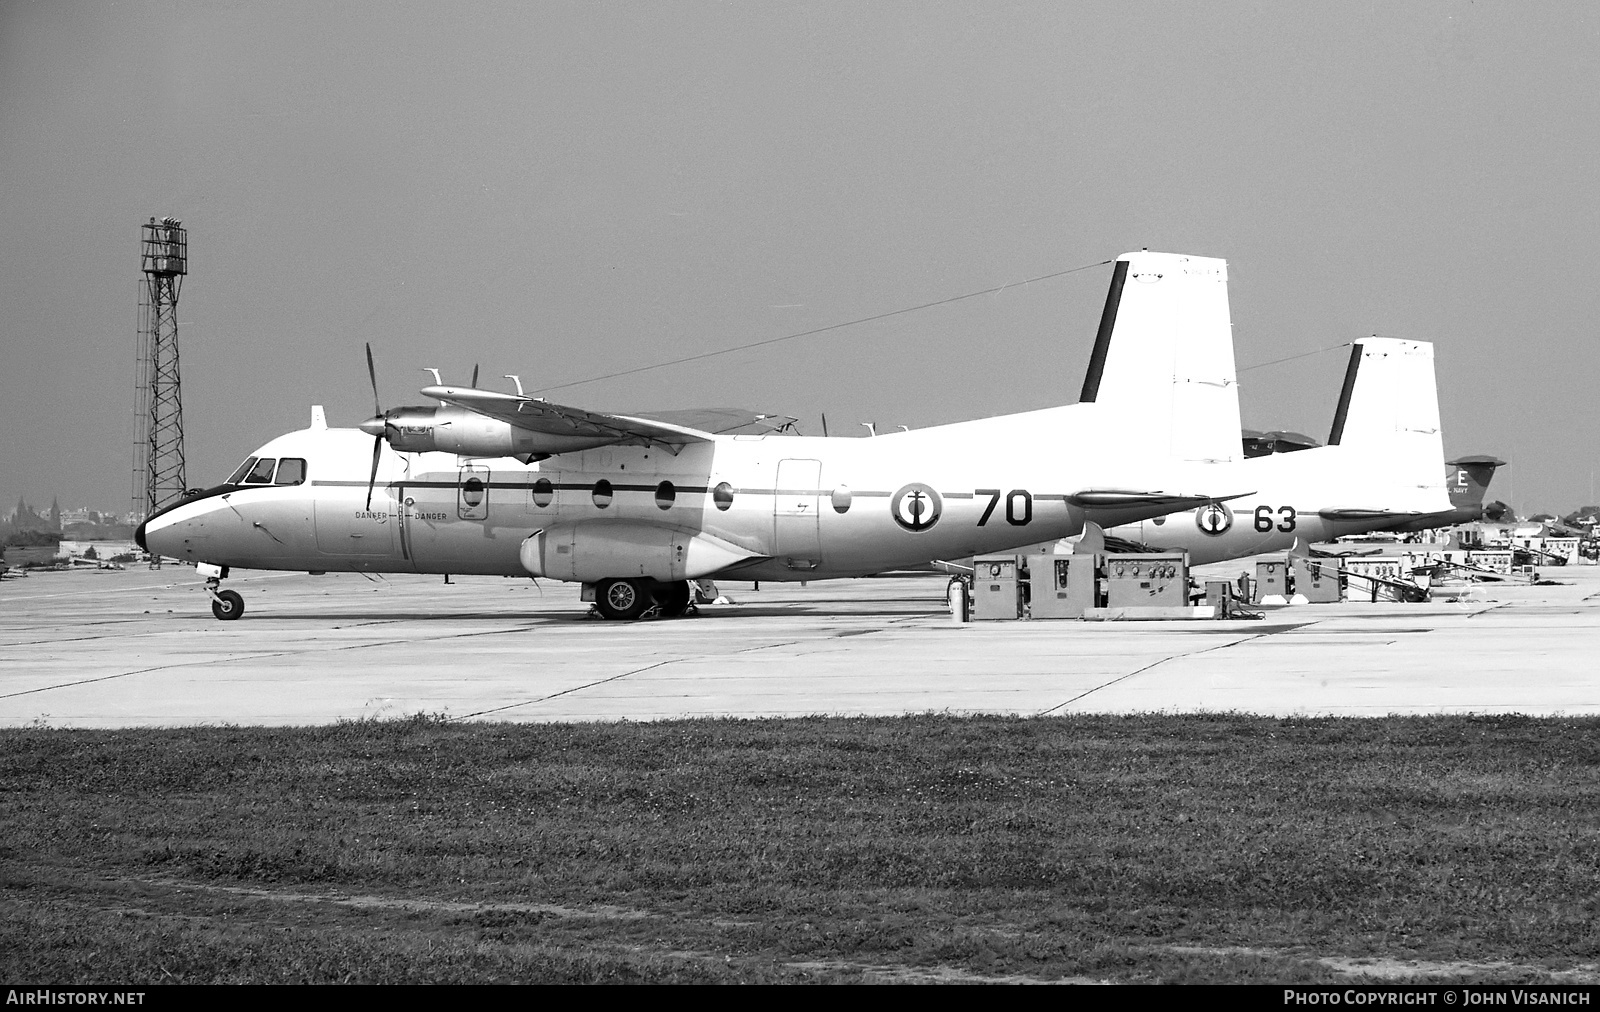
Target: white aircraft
634	507
1379	471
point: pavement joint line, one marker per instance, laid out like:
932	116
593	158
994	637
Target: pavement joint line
419	639
1155	663
67	639
253	657
770	646
145	671
575	688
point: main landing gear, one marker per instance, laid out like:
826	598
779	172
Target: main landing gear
629	599
225	604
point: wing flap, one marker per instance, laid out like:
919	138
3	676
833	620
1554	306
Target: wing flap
722	421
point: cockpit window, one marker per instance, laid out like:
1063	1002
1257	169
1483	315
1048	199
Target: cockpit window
261	474
244	469
291	471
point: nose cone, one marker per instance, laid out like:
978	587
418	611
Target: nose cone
373	426
138	537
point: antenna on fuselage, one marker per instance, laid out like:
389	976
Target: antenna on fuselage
872	429
518	381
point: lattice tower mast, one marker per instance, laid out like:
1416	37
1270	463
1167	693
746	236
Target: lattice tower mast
158	471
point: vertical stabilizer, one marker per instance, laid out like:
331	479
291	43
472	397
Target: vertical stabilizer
1163	357
1467	479
1389	413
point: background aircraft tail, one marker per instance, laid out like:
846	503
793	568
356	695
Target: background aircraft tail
1389	410
1163	357
1467	479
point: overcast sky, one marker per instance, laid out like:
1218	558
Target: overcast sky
563	190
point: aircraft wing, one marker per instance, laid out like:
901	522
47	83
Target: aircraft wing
536	415
668	428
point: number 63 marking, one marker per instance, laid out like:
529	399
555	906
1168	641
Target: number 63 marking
1264	522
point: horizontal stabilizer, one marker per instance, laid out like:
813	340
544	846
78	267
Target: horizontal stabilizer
1115	507
1095	499
1364	516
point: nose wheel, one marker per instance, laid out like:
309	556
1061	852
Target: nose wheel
225	604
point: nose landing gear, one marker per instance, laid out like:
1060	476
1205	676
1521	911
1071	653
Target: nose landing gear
227	605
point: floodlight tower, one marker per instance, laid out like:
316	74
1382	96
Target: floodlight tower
158	469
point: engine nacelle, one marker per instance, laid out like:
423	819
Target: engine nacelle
456	430
595	550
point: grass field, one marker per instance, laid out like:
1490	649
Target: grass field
1139	849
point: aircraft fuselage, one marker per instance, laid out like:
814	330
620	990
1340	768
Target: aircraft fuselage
761	507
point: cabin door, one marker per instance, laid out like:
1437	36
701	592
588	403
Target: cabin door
795	534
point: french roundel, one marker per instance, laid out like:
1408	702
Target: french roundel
1213	519
916	507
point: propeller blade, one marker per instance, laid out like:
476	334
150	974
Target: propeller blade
474	383
377	451
372	372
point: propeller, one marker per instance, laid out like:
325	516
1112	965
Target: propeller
377	413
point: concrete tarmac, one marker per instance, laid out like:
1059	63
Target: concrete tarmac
140	648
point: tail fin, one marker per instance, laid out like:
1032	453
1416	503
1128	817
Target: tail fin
1164	354
1389	408
1467	479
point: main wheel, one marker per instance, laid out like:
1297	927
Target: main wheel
621	599
673	598
227	605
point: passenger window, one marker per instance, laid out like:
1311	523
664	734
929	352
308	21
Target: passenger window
261	474
291	471
543	492
244	469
